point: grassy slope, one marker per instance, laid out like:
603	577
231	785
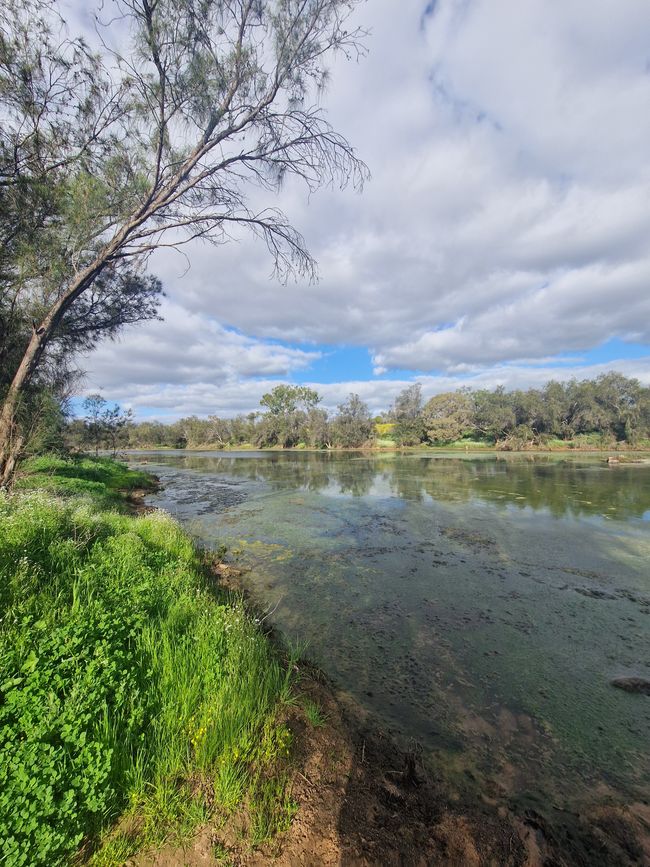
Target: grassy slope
128	690
104	481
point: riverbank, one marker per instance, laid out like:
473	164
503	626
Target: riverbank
620	450
138	699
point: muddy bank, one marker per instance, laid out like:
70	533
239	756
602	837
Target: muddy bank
135	497
365	800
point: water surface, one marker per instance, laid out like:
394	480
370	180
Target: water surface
480	606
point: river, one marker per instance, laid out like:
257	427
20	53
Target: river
479	606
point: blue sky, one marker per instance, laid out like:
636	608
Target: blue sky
502	239
340	362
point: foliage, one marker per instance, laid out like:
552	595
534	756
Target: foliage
406	413
104	424
287	399
448	417
291	414
612	408
494	413
161	141
384	429
353	425
124	680
314	714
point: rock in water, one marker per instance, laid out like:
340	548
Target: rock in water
632	684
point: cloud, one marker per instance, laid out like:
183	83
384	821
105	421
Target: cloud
186	348
506	221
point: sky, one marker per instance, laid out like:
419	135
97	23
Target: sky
504	236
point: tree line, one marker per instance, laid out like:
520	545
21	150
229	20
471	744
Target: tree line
599	412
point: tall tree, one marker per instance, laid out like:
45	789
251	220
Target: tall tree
162	142
448	416
494	413
353	425
407	414
57	114
287	421
290	398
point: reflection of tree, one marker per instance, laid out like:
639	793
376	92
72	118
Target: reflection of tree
356	477
563	487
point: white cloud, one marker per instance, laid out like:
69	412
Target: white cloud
186	348
507	218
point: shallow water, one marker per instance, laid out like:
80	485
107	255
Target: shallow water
478	605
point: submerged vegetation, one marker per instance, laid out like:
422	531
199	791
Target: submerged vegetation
134	700
602	413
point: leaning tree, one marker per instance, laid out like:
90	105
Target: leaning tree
160	137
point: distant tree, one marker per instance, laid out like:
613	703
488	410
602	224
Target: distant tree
286	422
149	434
94	406
448	417
353	425
285	399
318	429
625	403
243	428
116	427
406	412
555	409
586	413
494	414
105	425
194	430
219	431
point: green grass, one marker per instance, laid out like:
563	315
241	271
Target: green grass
271	809
134	702
384	443
314	714
103	480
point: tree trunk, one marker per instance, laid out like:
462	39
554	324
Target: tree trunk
41	336
11	441
13	457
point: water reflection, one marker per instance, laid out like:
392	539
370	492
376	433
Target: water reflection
563	487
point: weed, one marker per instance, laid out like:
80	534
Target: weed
272	809
314	713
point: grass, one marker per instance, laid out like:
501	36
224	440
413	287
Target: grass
134	702
101	479
314	714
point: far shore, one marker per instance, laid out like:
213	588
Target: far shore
620	449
